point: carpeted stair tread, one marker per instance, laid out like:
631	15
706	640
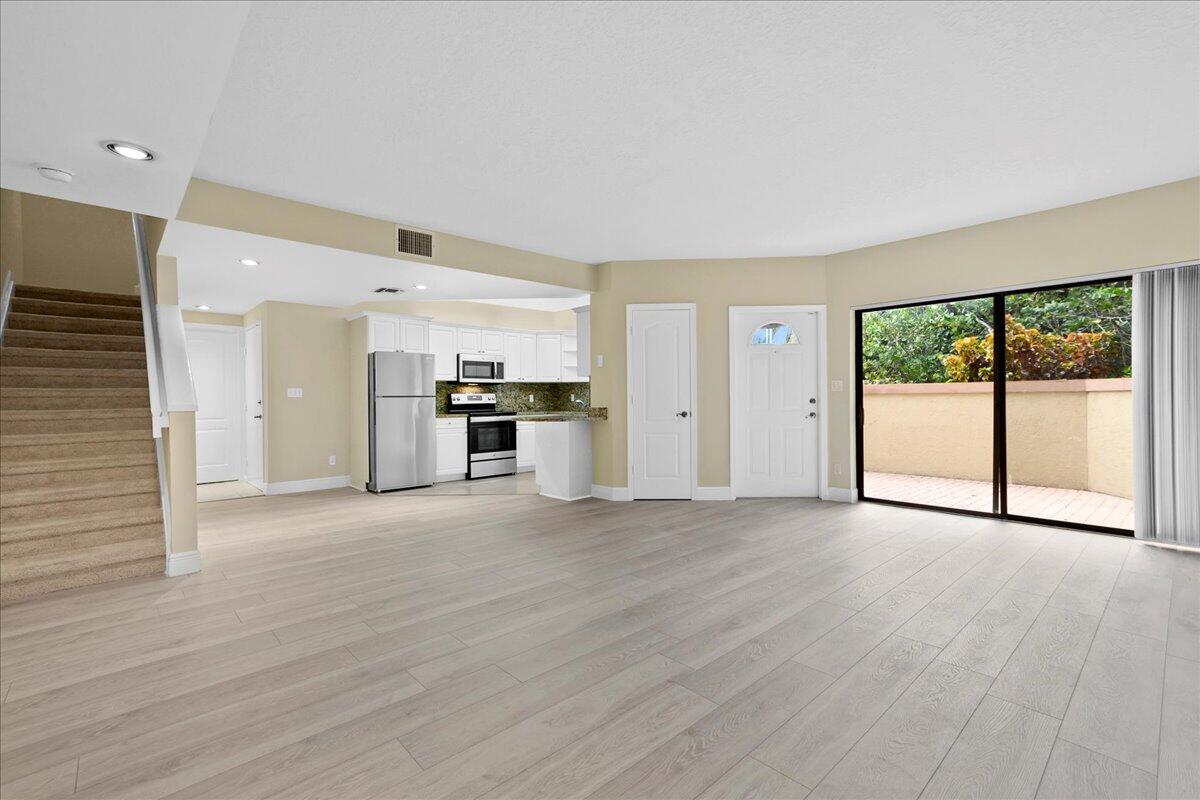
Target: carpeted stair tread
72	377
76	296
34	480
83	359
22	453
11	426
41	322
58	340
78	463
14	571
27	530
78	508
66	308
46	397
20	590
73	541
73	437
43	495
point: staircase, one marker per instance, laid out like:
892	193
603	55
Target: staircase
79	491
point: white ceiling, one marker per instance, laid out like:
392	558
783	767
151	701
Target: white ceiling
542	303
601	131
295	272
75	74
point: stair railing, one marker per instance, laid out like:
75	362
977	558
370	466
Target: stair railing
6	303
154	366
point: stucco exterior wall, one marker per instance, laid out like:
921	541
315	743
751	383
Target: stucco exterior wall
1065	434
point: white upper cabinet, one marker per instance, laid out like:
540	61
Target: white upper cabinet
491	342
443	343
512	357
549	357
414	335
528	363
470	340
583	333
384	334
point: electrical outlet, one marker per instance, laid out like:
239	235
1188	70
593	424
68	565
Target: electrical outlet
332	460
572	398
835	386
295	391
599	360
531	398
837	469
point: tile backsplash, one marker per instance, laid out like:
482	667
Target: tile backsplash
515	396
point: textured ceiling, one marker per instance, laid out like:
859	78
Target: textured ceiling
670	130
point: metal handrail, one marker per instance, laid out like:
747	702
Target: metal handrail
154	366
6	303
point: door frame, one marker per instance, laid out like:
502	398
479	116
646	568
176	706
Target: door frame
999	403
693	413
241	383
822	391
258	483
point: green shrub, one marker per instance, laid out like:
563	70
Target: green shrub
1031	355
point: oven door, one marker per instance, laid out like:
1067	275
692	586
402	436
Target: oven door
490	438
474	369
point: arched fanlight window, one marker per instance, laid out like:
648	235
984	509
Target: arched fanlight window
775	333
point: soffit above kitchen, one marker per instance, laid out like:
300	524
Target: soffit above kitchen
602	131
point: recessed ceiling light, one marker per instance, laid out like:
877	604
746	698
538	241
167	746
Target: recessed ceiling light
55	174
248	262
203	308
420	287
131	151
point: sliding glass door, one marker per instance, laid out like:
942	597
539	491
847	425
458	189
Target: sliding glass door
1014	404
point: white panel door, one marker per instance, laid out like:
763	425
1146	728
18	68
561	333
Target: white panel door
491	342
528	357
414	336
512	357
774	377
470	340
549	357
661	363
443	343
254	406
215	359
385	335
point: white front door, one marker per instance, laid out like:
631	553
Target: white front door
661	418
215	358
254	406
775	432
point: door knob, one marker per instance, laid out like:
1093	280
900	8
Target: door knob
258	416
812	414
681	413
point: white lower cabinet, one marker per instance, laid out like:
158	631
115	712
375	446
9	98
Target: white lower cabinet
526	454
451	449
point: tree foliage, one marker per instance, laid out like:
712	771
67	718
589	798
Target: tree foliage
1052	334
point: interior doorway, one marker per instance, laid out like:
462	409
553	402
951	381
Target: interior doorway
775	401
661	342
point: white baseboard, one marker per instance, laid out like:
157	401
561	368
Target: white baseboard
567	499
310	485
712	493
840	495
183	563
618	493
257	484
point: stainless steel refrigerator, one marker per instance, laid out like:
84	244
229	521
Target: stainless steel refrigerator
402	412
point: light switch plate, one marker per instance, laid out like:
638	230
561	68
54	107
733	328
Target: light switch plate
295	391
835	386
332	460
599	360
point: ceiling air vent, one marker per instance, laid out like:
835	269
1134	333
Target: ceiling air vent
386	290
410	242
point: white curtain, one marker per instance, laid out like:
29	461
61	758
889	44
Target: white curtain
1166	405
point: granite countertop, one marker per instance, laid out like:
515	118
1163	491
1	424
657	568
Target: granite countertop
590	414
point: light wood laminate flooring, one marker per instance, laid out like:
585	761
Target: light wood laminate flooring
345	645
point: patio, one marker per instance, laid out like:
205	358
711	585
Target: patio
1045	502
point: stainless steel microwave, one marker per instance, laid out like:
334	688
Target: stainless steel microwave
473	368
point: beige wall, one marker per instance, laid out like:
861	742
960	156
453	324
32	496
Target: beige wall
212	318
1145	228
12	249
360	467
207	203
713	285
1066	434
179	451
67	245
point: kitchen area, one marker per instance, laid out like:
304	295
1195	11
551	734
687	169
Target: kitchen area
459	409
